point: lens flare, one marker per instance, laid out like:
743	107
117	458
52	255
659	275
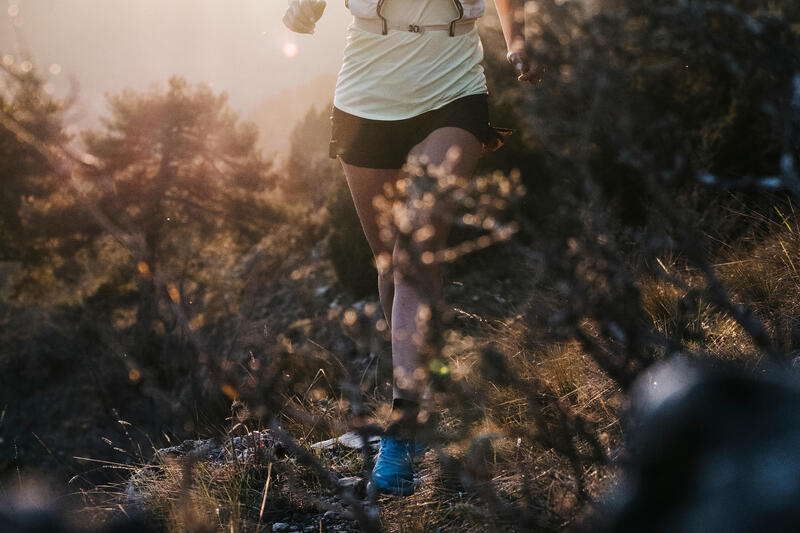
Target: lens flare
290	50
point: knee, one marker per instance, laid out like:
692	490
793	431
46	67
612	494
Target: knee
419	269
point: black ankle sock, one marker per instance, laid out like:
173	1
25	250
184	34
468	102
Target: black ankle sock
404	413
402	404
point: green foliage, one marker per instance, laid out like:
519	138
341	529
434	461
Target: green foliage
314	178
181	159
348	249
131	248
309	176
666	90
24	172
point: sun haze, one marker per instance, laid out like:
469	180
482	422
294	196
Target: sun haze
107	45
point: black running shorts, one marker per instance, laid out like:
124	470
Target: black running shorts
386	143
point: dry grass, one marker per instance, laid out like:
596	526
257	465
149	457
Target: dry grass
488	436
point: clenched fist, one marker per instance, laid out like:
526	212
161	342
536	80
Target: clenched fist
302	15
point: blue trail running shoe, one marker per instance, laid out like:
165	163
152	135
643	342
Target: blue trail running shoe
394	467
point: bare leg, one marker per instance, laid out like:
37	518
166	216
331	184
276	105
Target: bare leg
409	284
417	275
366	185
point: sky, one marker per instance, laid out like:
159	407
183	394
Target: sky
237	46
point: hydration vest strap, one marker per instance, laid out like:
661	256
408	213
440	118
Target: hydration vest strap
454	28
453	22
384	22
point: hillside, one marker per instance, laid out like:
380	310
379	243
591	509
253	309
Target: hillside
186	319
515	388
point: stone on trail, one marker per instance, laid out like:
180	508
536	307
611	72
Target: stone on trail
351	439
354	483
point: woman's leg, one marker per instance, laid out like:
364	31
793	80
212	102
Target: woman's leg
367	184
417	273
409	284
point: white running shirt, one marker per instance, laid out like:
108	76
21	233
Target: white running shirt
405	74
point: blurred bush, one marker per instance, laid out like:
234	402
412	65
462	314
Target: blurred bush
675	91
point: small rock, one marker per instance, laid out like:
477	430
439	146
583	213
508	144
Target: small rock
280	526
355	483
309	529
294	528
351	439
329	515
320	291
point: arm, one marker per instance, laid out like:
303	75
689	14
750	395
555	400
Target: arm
512	19
513	25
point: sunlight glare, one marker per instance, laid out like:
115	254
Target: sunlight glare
290	50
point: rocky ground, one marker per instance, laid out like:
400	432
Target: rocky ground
492	287
243	452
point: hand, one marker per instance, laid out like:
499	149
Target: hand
302	15
519	60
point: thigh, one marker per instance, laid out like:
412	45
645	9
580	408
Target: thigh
368	187
448	155
449	150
